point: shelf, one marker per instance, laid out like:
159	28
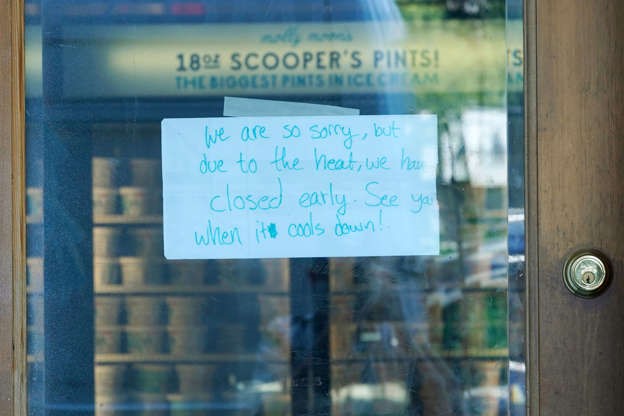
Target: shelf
176	359
259	289
185	290
480	354
127	220
477	354
397	288
199	403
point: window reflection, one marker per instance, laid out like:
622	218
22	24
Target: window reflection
343	336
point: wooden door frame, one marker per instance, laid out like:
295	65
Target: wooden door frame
575	162
12	211
558	82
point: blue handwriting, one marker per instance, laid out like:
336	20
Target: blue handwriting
342	228
249	202
322	162
334	130
214	136
385	200
211	166
307	229
217	237
420	201
322	198
250	134
280	163
407	163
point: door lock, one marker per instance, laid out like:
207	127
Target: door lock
587	273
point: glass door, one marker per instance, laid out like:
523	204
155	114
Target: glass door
404	296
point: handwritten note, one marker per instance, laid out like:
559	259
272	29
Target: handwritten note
327	186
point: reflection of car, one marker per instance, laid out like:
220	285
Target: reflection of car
467	7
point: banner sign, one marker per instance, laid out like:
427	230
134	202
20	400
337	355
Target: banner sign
377	57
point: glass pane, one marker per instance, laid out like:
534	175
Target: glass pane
515	226
34	210
116	328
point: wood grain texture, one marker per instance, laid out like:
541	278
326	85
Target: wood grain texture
6	215
579	62
12	215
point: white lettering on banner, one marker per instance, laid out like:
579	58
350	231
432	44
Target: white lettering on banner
326	186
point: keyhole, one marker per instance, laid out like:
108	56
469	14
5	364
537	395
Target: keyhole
586	274
589	277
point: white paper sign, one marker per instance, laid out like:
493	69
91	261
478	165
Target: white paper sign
327	186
